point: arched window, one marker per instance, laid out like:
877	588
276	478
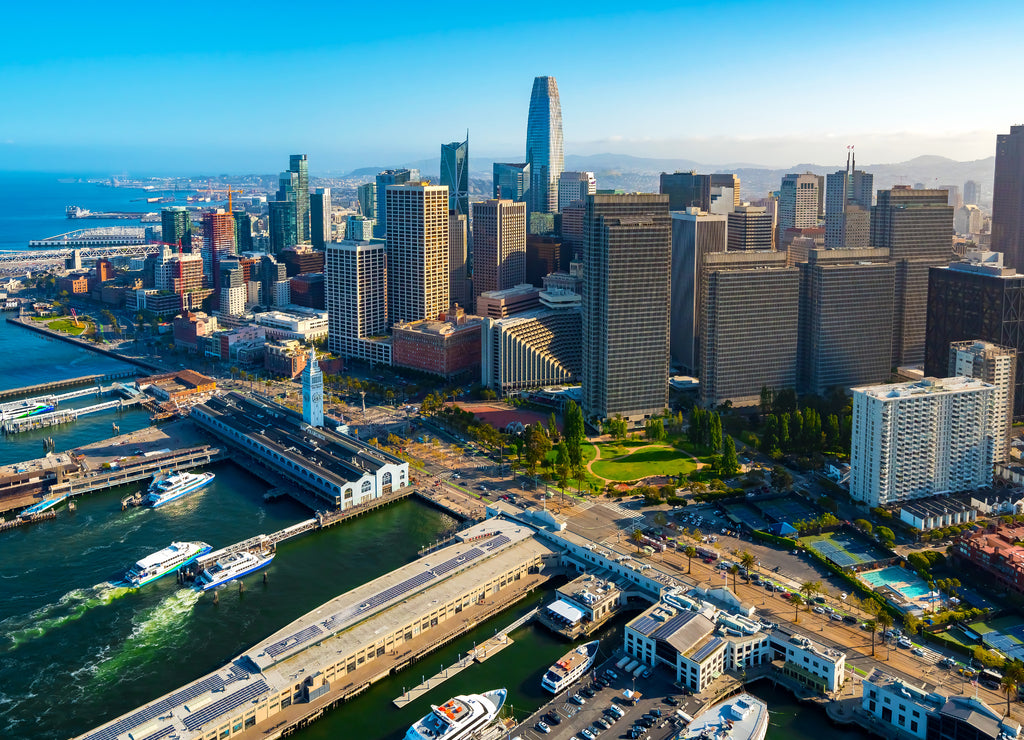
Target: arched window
367	486
386	480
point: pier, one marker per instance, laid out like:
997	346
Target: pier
66	416
42	388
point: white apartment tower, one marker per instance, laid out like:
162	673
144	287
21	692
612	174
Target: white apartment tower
912	440
355	290
574	186
417	249
993	364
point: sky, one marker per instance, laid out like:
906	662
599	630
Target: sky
206	88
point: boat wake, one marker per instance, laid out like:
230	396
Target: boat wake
73	605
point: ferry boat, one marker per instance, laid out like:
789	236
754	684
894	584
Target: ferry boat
459	717
175	485
39	507
168	560
564	672
230	567
742	717
25	409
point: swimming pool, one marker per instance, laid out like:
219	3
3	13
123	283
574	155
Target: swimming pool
905	581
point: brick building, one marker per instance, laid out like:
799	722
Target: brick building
995	550
73	284
287	357
449	347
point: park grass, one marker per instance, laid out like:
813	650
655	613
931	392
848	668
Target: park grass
644	462
67	326
956	636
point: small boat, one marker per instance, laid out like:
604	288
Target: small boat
564	672
168	560
459	717
175	485
231	567
40	506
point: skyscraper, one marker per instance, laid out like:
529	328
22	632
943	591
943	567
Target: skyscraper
798	201
512	181
499	245
356	288
176	227
750	229
575	186
270	273
243	231
313	392
287	192
218	241
1008	197
283	231
848	207
544	151
320	217
385	178
299	167
996	365
626	297
691	190
916	226
455	174
458	260
694	235
417	242
972	192
366	194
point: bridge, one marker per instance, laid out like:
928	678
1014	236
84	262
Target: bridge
20	260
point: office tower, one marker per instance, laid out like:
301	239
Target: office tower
283	230
232	292
243	231
385	178
512	181
499	245
694	234
572	229
743	346
498	304
417	244
320	217
299	168
455	174
952	195
176	227
725	183
458	260
302	259
997	366
976	299
968	220
574	186
544	145
544	255
972	193
626	297
1008	197
366	194
750	228
218	241
912	440
848	207
313	392
359	228
356	278
715	193
798	201
916	226
308	289
270	273
845	319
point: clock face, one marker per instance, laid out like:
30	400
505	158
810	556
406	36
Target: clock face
317	398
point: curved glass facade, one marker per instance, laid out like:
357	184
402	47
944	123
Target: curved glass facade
544	152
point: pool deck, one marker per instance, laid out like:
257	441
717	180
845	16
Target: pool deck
892	588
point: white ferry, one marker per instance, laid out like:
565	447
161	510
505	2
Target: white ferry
165	561
742	717
175	485
230	567
564	672
460	717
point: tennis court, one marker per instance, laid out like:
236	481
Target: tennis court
844	549
1005	634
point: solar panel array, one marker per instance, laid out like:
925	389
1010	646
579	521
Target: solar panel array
213	683
236	673
111	732
705	651
670	627
645	625
292	640
496	542
452	564
197	719
161	733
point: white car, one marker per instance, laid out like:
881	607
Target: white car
543	727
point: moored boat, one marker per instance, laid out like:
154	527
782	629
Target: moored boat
564	672
160	563
175	485
231	567
459	717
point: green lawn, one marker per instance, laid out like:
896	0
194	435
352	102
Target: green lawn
67	326
643	462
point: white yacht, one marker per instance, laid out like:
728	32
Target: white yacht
564	672
459	717
165	561
231	567
175	485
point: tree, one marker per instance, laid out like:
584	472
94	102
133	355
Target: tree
797	601
553	427
873	608
690	551
537	447
886	536
766	400
654	430
730	464
734	569
781	478
747	560
810	588
574	434
884	620
637	536
715	435
1013	677
863	524
562	465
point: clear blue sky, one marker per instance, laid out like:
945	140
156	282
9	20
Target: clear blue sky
236	87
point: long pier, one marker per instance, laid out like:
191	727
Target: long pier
65	416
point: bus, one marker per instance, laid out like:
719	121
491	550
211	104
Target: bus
990	678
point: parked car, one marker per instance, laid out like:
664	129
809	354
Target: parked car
553	718
543	727
918	652
835	617
818	610
671	701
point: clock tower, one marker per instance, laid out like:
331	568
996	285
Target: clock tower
313	392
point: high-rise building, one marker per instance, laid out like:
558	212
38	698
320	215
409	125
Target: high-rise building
626	298
744	347
572	229
972	193
544	151
512	181
845	318
574	186
544	255
385	178
458	260
1008	197
749	229
952	195
715	193
995	365
912	440
499	245
232	292
455	174
417	240
695	233
313	392
848	207
366	194
270	273
968	220
799	198
916	226
359	228
283	231
320	217
243	231
299	166
182	274
176	227
976	299
218	241
356	280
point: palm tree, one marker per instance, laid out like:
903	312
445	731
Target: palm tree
637	536
748	561
873	608
734	569
691	552
1013	677
884	620
873	629
796	600
809	589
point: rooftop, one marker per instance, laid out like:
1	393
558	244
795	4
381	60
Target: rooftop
935	506
921	388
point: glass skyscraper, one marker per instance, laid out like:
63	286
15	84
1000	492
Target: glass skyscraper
544	151
512	181
176	223
298	165
455	174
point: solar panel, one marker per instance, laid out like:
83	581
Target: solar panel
645	625
497	542
197	719
669	628
453	563
213	683
292	640
162	732
707	649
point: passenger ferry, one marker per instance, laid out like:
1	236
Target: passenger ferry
165	561
460	717
174	486
230	567
742	717
564	672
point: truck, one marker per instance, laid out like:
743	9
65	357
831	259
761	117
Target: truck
622	661
638	670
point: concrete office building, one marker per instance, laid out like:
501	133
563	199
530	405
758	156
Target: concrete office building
499	245
497	304
916	226
544	152
270	272
626	301
705	192
356	280
1008	197
572	229
695	234
968	221
320	217
574	186
458	260
975	299
455	174
745	347
384	179
750	229
845	318
912	440
972	193
359	228
995	365
799	201
366	195
511	181
417	242
848	195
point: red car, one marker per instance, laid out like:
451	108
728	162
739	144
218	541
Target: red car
708	560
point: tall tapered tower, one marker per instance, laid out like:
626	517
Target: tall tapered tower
544	152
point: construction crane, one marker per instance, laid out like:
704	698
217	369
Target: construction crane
230	192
